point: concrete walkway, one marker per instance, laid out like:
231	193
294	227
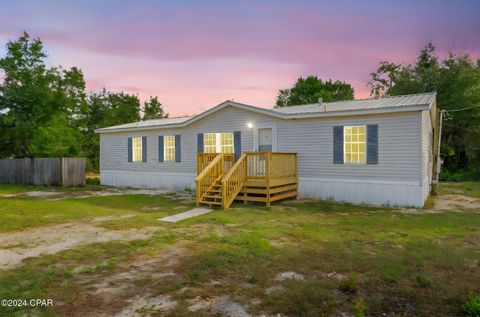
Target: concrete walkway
187	214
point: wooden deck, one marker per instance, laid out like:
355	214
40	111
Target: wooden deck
256	176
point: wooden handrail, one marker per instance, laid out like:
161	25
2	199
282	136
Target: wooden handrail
232	182
203	159
262	167
208	168
291	153
207	178
230	172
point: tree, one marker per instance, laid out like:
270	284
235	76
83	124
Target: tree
153	109
44	111
106	109
456	79
56	139
32	93
310	89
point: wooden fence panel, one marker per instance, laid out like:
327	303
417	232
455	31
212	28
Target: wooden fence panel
47	171
73	171
3	172
43	171
29	171
10	171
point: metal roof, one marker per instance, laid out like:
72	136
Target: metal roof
148	123
349	107
361	104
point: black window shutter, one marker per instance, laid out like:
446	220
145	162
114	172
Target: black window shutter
160	148
178	149
372	144
338	145
237	144
144	148
200	143
130	150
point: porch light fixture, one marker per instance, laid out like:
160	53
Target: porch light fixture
249	125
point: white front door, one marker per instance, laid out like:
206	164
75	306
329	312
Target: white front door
265	140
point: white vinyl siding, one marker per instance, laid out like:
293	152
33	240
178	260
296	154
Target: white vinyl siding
137	149
354	144
399	147
399	141
169	148
427	153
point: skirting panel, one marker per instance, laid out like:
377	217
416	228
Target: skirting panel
425	189
374	193
147	180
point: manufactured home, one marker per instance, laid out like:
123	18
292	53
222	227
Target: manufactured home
374	151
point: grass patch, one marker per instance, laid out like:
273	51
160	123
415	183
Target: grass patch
310	298
19	213
413	264
108	266
471	189
349	285
55	276
18	188
472	307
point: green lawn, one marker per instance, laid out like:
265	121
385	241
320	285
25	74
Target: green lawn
471	189
412	264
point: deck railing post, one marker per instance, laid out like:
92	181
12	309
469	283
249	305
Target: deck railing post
197	193
268	163
295	164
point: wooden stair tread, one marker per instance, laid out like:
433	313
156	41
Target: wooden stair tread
212	203
214	196
268	177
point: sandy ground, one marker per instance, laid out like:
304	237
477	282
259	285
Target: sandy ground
53	195
128	292
15	247
451	202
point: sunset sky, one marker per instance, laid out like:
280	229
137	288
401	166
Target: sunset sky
196	54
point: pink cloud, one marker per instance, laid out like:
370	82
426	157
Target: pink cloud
196	55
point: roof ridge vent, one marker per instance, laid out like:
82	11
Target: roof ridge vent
322	106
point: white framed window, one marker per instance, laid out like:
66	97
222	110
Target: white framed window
218	143
210	142
226	143
354	144
136	149
169	148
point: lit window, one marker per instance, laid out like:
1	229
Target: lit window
210	142
354	144
169	148
226	142
218	142
137	149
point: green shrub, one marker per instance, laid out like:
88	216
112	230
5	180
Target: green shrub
359	307
92	181
472	307
460	175
349	285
